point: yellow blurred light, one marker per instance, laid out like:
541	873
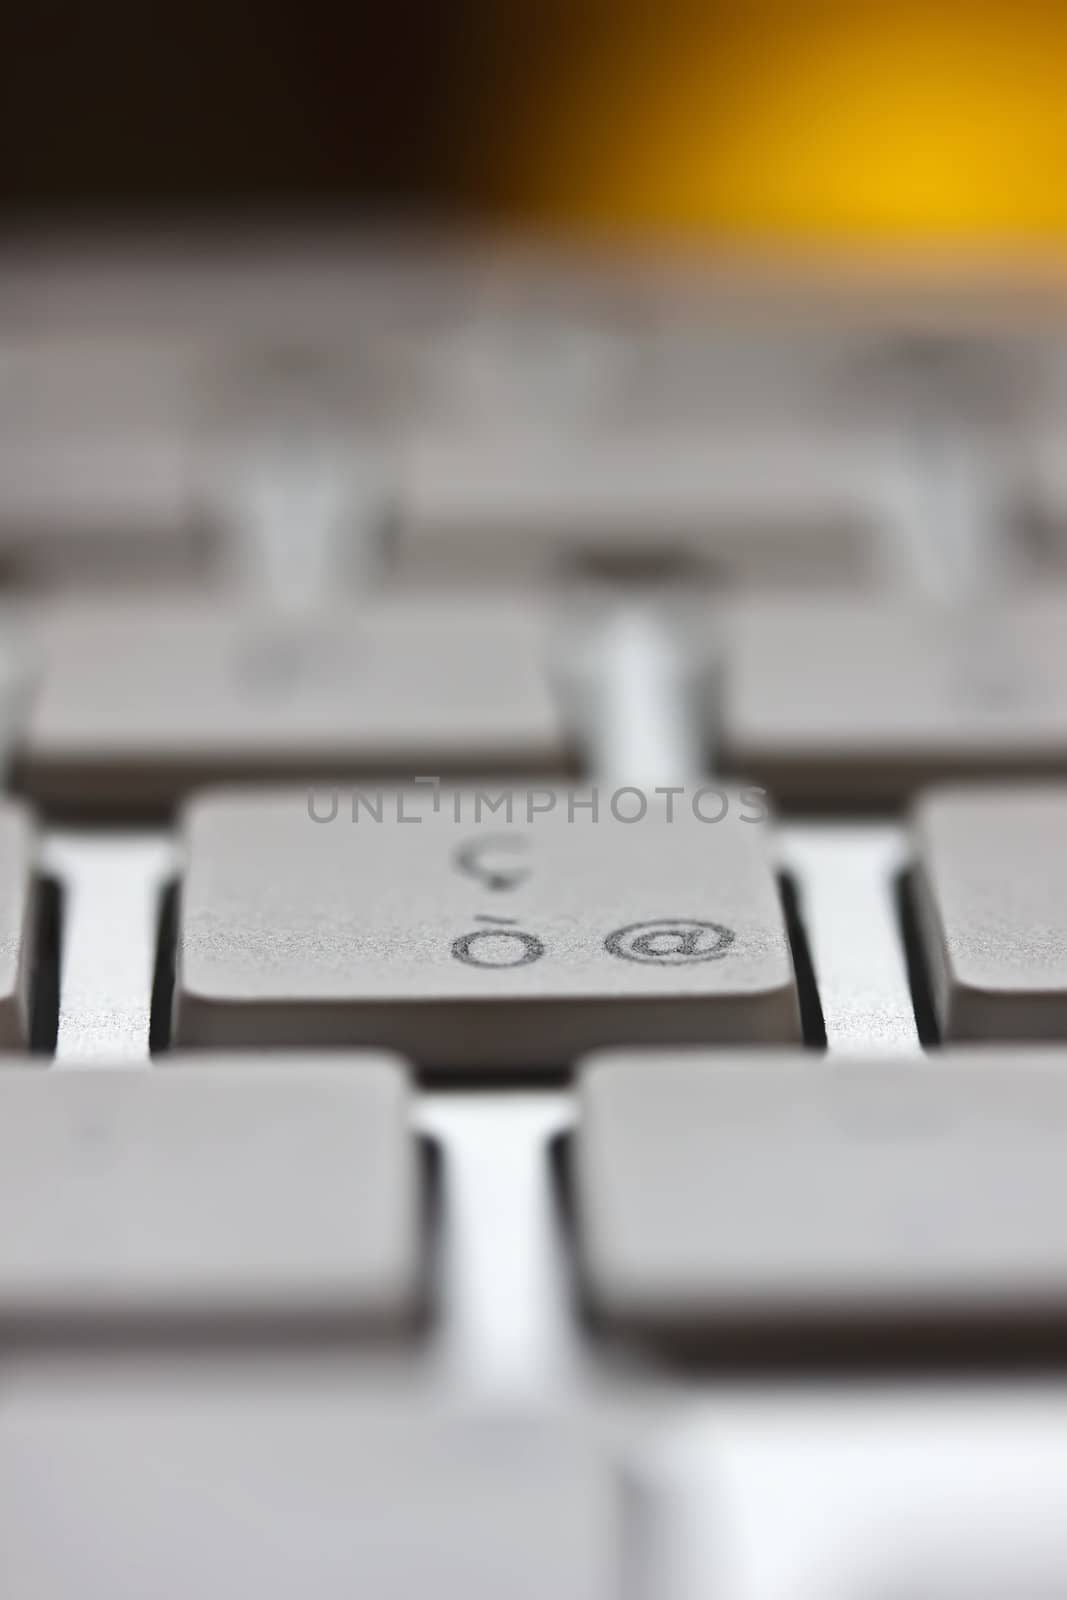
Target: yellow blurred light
765	120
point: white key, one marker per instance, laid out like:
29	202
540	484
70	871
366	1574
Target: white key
264	1193
751	509
479	944
991	897
138	705
725	1197
107	1492
841	705
96	459
109	507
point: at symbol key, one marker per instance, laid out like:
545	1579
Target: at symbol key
376	932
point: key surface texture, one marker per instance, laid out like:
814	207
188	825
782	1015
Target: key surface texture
478	944
722	1196
272	1192
990	888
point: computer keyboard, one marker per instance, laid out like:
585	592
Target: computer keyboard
533	981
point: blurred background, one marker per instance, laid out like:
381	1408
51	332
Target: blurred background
797	122
259	242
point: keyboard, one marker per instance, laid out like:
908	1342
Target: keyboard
533	965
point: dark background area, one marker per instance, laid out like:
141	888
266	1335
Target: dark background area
137	109
829	121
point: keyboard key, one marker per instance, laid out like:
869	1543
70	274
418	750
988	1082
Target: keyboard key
479	944
991	899
724	1198
743	510
138	705
221	1193
109	510
18	907
97	463
842	705
107	1492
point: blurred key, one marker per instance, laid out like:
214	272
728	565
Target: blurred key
755	509
107	509
137	705
18	909
724	1199
842	705
960	1573
268	1194
176	1494
96	461
479	943
991	896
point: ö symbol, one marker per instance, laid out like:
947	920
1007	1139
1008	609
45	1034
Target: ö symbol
670	942
501	946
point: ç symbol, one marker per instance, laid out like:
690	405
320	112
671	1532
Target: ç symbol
468	859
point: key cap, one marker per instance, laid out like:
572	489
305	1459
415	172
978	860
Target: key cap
478	944
991	901
721	1198
744	510
840	705
18	907
98	461
108	507
279	1193
136	706
107	1492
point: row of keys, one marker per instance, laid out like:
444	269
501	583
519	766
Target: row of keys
125	506
115	709
715	1196
749	510
494	515
777	487
489	929
499	510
